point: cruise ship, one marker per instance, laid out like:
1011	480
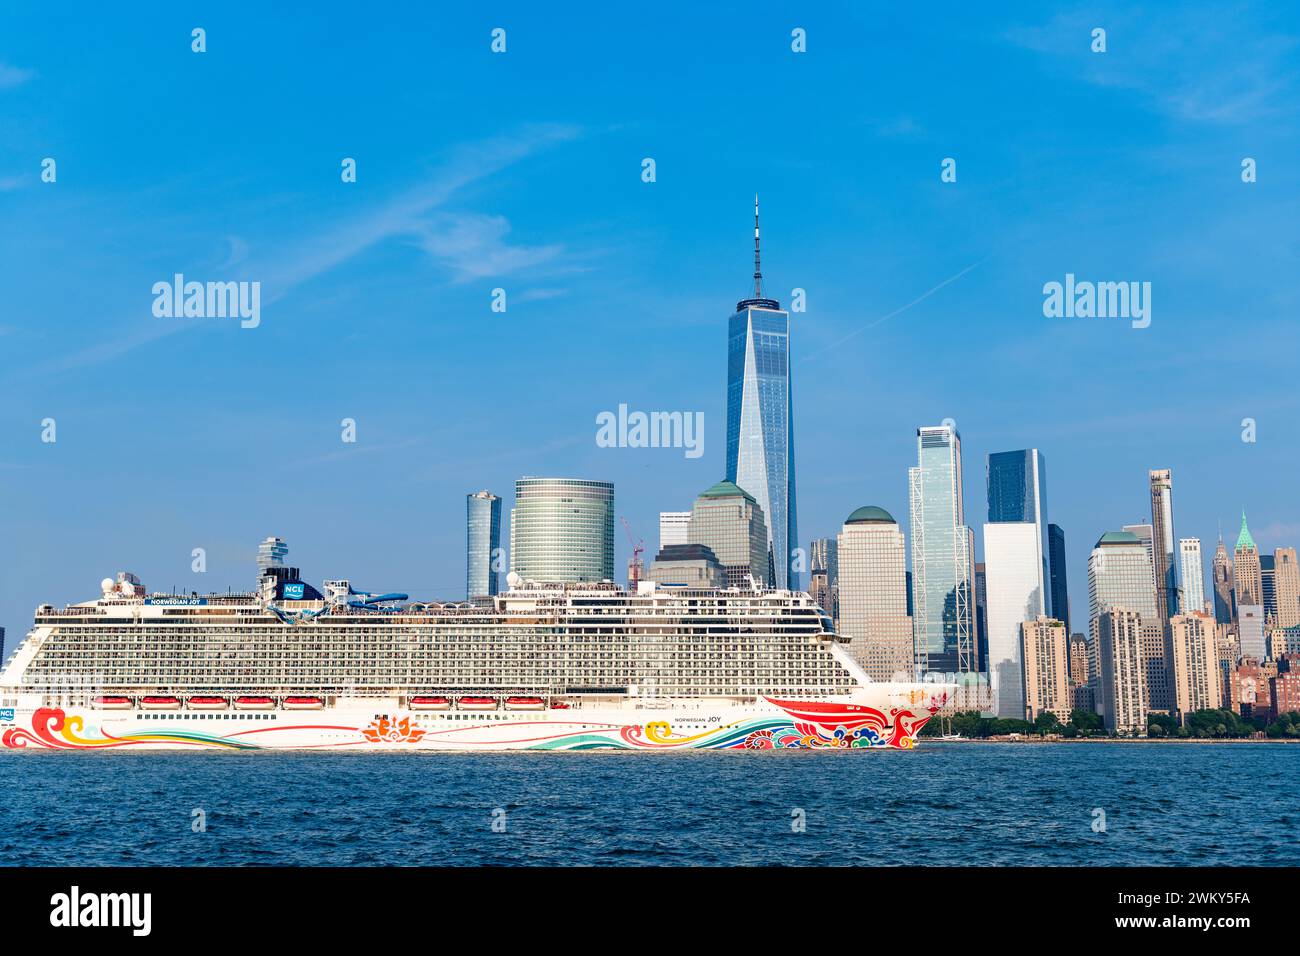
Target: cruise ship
540	667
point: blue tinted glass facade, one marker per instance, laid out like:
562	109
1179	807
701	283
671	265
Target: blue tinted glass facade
482	541
943	617
1017	491
760	426
1060	599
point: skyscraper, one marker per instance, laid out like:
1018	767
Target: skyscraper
1146	534
1286	586
943	555
729	522
1017	491
1268	586
271	554
1121	677
482	544
1014	580
1225	603
1191	576
562	530
1046	658
1248	584
823	575
760	420
672	527
873	594
1057	588
1196	673
1120	579
1250	631
1164	564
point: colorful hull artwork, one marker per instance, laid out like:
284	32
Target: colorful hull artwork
772	725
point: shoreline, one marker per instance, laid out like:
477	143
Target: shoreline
926	741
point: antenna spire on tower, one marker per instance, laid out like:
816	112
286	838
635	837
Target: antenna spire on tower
758	271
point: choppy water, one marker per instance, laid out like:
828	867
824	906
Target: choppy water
941	804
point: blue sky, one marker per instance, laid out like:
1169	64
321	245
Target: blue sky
522	171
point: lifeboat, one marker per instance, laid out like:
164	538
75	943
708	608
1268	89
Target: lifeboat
476	703
559	705
207	703
525	703
430	703
304	703
113	703
160	703
254	703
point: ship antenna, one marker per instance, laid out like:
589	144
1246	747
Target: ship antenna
758	271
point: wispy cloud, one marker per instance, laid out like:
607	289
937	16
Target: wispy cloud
407	214
474	246
1206	63
12	76
470	245
901	309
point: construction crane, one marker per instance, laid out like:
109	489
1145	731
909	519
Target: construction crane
634	566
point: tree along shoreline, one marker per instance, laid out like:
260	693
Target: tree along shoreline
1201	725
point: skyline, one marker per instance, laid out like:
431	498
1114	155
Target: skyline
176	434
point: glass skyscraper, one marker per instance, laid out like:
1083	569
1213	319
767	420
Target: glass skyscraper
562	530
760	423
271	554
943	555
482	544
1191	574
1058	589
1017	489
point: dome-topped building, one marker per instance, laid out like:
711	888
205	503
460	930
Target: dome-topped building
870	514
873	594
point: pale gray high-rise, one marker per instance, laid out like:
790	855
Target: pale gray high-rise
1120	579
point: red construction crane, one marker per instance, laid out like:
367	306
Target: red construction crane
635	566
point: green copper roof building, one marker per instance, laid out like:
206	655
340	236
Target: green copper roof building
1244	540
727	489
729	522
870	514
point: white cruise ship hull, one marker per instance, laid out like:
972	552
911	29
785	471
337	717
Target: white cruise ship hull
879	716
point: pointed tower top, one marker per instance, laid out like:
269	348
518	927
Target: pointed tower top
758	299
1244	540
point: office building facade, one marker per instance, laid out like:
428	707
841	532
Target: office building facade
943	555
873	594
562	530
482	544
760	420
